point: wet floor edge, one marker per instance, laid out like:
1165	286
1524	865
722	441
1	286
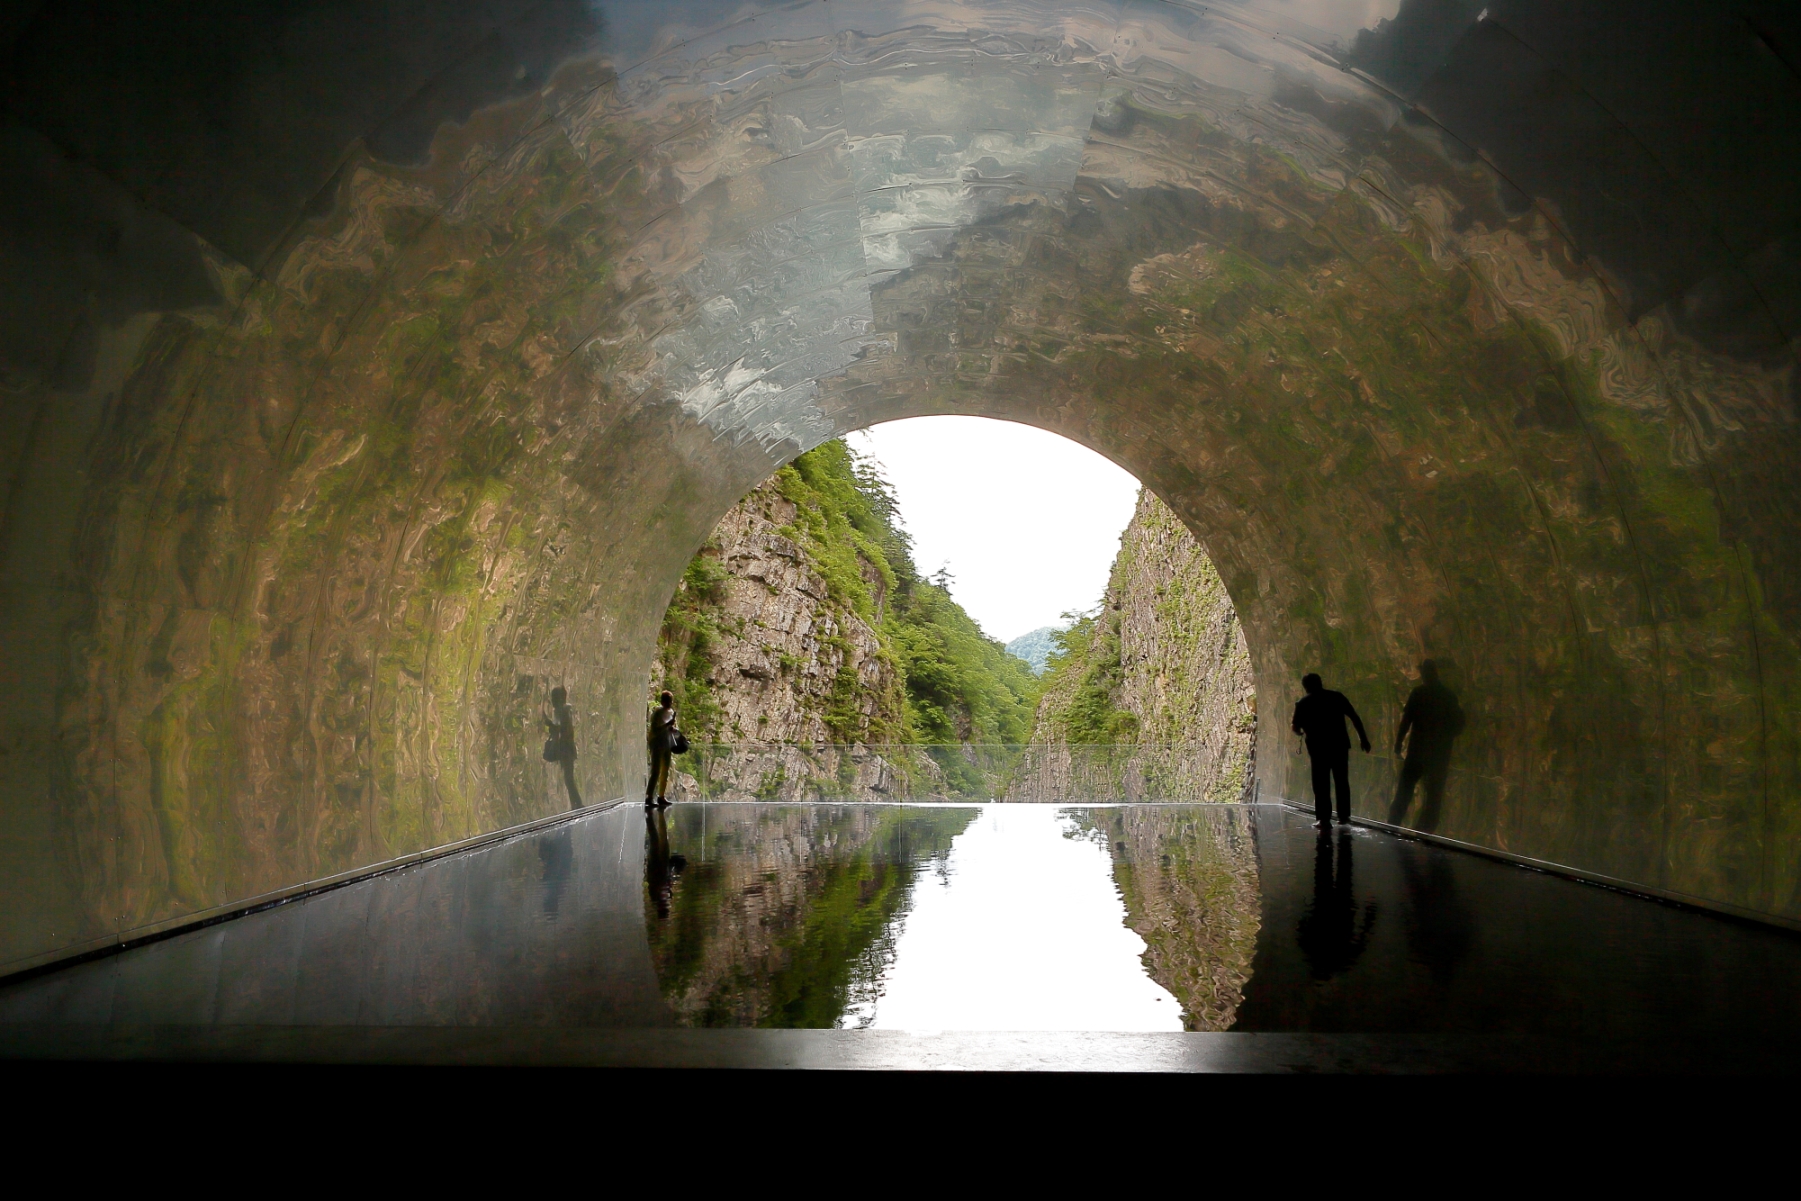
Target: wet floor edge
893	1051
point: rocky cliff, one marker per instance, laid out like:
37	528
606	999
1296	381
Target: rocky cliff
810	661
1151	696
783	686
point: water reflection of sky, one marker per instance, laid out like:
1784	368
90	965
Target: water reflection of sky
1020	928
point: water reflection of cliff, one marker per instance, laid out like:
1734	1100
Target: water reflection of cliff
1190	881
783	915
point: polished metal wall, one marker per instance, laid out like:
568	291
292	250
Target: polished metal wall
371	370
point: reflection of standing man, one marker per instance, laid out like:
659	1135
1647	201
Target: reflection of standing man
1320	715
1331	936
1434	719
660	867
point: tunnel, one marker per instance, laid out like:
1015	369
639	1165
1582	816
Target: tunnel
372	369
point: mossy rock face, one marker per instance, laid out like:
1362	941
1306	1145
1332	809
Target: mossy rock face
292	573
1151	695
859	663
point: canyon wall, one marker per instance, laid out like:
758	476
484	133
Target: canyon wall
810	661
1152	698
782	687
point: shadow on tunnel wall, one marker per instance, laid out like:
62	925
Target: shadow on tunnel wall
371	371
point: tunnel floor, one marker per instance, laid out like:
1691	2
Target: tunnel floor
1154	937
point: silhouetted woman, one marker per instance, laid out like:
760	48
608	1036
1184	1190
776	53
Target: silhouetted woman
561	746
661	743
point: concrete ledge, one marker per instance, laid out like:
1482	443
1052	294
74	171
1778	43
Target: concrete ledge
884	1051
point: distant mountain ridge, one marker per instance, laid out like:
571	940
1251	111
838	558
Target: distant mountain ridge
1036	648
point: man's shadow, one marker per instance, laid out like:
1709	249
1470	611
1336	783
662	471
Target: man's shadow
1429	727
1332	933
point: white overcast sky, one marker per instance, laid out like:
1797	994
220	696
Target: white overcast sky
1028	521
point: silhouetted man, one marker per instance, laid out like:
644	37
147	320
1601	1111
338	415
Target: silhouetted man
1320	717
1434	719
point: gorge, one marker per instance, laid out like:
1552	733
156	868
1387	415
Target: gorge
804	645
811	660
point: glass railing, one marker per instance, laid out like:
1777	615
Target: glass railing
1035	772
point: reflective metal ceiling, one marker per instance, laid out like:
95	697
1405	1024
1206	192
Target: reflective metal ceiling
815	151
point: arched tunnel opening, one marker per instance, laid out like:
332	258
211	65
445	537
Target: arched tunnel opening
370	371
1073	639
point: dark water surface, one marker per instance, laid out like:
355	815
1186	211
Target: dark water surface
996	917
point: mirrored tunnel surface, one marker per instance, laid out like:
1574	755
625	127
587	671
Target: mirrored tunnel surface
945	917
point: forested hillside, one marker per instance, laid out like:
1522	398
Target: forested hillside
803	624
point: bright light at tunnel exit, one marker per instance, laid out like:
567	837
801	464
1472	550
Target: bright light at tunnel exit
1028	521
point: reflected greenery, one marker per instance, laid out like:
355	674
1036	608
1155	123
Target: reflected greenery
1189	876
785	915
